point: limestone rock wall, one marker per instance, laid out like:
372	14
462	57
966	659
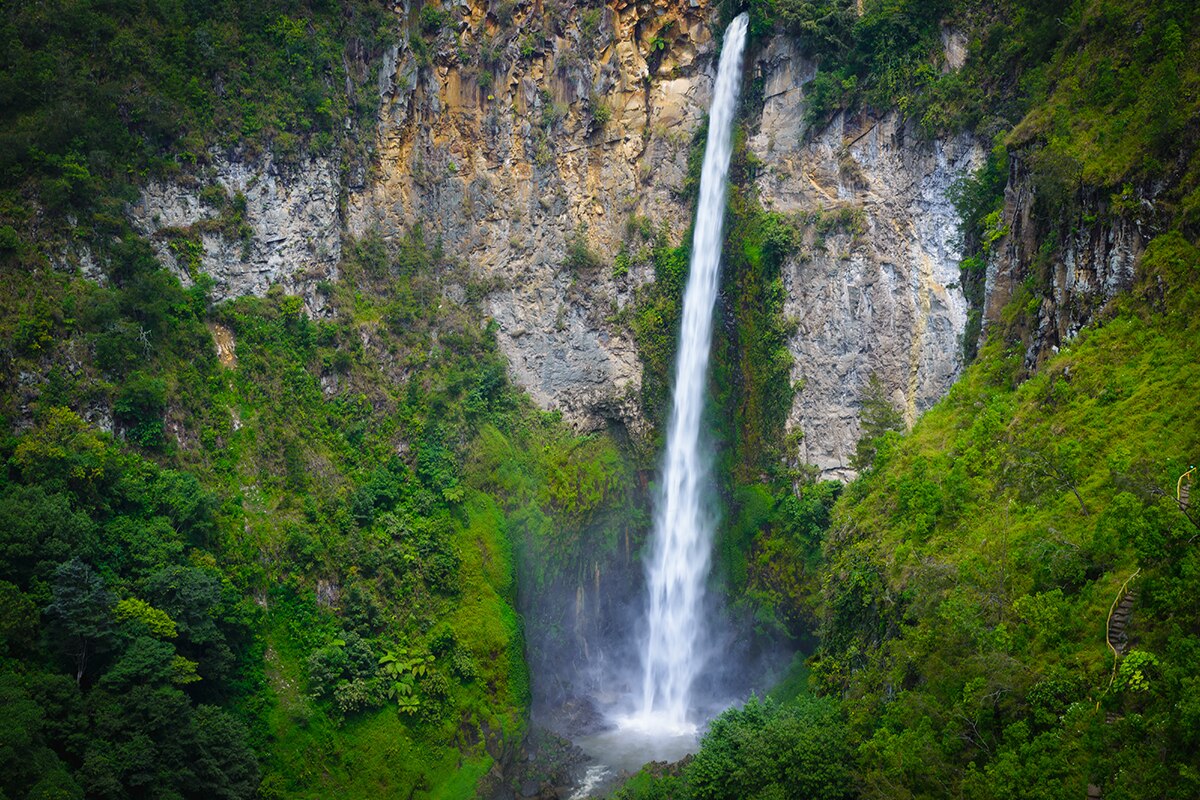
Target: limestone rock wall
509	155
875	287
292	232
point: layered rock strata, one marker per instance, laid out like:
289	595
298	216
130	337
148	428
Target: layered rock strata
557	126
874	288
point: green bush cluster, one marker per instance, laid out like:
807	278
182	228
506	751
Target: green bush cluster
764	749
880	58
95	96
754	376
126	654
656	324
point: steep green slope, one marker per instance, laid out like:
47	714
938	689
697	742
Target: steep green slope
971	571
356	485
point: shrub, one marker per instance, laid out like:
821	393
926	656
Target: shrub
9	239
601	113
766	749
589	26
580	258
433	19
140	406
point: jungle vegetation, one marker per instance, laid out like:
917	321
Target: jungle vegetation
292	573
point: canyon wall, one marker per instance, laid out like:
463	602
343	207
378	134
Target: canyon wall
512	138
509	173
874	288
517	141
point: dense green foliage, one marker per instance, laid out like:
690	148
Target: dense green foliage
351	490
762	750
122	637
96	95
875	55
656	325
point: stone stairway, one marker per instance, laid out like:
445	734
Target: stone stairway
1118	639
1118	621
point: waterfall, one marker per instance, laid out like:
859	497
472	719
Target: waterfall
683	527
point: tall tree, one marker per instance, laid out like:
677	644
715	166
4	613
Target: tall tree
81	612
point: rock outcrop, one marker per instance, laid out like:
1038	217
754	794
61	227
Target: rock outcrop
286	228
557	126
1092	263
875	287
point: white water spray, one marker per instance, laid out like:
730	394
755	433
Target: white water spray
683	527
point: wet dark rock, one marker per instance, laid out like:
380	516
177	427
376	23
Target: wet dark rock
579	716
545	767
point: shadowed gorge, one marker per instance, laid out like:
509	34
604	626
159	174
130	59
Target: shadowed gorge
561	399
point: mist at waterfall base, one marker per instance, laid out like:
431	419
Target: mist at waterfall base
655	661
674	654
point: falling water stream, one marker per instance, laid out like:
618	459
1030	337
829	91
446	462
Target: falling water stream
663	722
683	523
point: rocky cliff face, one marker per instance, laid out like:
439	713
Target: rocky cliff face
875	287
266	224
557	125
516	130
508	137
1065	288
